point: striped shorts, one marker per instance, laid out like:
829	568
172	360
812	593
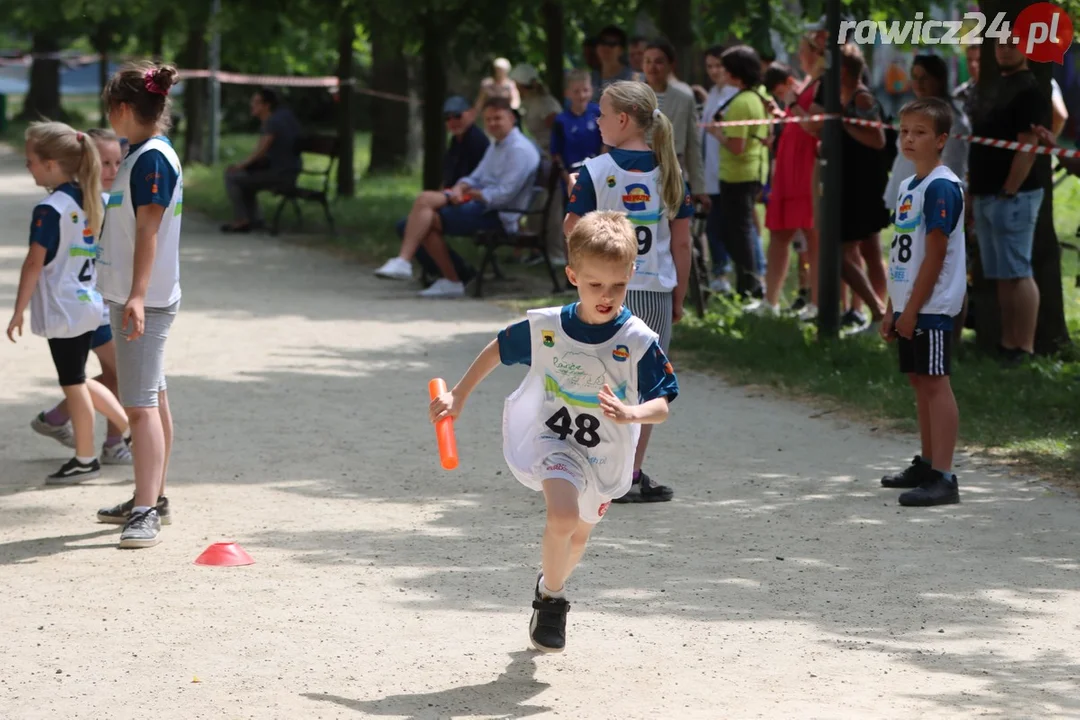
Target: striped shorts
655	308
928	352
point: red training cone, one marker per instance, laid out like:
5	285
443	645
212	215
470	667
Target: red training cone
224	554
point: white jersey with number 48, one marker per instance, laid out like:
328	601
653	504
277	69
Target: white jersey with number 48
556	409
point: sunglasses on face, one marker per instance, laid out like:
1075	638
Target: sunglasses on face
452	116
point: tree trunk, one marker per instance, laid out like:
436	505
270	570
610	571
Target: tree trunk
552	10
675	24
43	100
196	54
157	33
1052	333
389	118
434	53
101	41
346	173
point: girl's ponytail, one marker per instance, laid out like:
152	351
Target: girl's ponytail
89	178
671	179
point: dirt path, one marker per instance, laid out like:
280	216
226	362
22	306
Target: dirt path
782	582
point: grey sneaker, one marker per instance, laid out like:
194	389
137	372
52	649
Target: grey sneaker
118	454
119	514
74	472
142	530
63	434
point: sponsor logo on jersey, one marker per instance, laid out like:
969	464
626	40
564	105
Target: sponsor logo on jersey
621	353
75	218
904	209
557	467
611	181
603	508
636	197
549	338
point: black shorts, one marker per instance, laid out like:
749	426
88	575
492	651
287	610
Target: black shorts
69	356
929	352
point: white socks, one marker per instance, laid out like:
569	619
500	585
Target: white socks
85	460
139	509
546	592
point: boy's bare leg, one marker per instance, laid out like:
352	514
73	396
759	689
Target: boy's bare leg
944	420
563	518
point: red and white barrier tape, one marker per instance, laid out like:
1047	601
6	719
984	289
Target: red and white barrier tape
991	142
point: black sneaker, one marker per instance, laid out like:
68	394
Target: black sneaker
74	472
934	490
910	477
644	490
547	629
142	530
853	319
801	301
119	514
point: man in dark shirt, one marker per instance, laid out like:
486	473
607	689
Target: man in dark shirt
468	144
274	163
1007	195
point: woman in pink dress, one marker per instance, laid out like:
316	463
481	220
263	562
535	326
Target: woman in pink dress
791	199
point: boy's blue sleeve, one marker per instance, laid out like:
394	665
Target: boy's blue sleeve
686	210
656	377
943	204
153	180
583	196
515	344
45	230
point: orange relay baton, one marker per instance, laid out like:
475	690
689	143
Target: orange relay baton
444	429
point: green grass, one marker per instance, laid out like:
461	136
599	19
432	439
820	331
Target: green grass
365	222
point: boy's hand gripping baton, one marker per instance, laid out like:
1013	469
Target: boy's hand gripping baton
444	429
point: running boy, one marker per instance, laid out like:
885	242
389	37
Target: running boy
140	279
56	423
57	279
646	184
927	282
596	374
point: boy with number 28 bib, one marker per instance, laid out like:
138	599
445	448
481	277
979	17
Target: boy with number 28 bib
596	374
927	282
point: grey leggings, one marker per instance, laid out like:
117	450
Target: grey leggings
140	364
656	309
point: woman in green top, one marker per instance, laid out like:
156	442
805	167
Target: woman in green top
744	164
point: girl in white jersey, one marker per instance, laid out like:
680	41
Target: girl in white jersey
56	423
645	183
57	280
596	374
139	276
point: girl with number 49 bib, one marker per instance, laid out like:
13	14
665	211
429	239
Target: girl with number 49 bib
646	184
596	375
139	276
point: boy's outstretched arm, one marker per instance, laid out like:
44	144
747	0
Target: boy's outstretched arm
451	403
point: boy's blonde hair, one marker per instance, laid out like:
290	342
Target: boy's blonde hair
77	156
637	100
602	235
578	76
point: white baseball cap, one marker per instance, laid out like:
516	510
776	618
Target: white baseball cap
525	74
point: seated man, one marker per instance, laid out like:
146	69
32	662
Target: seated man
503	180
275	162
468	144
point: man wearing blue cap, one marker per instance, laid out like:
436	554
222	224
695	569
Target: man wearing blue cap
468	144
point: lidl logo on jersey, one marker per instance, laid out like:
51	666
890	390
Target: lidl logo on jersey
621	353
549	338
636	197
611	181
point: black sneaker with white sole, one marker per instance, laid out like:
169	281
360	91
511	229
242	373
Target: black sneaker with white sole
142	530
74	472
547	628
119	514
936	489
